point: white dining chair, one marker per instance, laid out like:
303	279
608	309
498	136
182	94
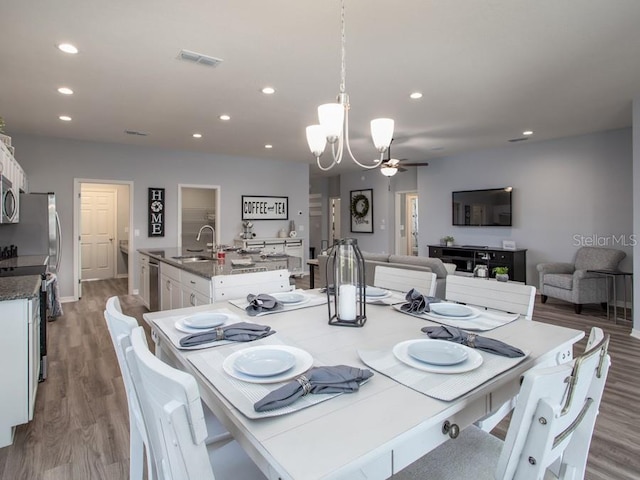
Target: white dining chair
173	414
549	434
403	280
120	327
230	287
512	297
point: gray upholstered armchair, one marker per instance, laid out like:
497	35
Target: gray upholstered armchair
572	282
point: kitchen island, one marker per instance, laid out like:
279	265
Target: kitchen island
190	278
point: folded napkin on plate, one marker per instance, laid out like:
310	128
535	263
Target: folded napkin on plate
336	379
472	340
236	332
417	303
261	303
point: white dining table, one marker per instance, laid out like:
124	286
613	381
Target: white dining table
372	433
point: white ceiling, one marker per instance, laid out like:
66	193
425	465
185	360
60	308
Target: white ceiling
488	69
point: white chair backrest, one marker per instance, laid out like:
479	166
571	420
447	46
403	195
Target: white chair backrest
173	413
403	280
503	296
230	287
120	327
554	418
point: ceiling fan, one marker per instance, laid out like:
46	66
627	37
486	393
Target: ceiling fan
391	166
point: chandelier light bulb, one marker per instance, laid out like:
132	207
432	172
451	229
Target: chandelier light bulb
382	133
317	139
331	117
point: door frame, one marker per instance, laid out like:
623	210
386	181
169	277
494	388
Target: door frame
397	239
77	188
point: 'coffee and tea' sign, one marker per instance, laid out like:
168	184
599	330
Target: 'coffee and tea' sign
265	208
156	212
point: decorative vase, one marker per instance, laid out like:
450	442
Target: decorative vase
449	243
502	277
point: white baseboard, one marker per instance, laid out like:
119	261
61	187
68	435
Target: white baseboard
67	299
122	275
635	333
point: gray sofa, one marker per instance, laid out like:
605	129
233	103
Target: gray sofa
573	283
371	260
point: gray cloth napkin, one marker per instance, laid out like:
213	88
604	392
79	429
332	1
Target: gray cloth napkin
261	303
417	303
335	379
236	332
472	340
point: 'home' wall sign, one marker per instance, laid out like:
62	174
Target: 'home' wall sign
156	212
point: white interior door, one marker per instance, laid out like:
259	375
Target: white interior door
97	233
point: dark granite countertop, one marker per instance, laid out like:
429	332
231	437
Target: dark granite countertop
24	261
214	267
15	288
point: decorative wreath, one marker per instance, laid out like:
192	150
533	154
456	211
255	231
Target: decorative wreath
359	206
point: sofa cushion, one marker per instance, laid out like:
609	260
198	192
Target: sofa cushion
435	264
596	258
560	280
375	257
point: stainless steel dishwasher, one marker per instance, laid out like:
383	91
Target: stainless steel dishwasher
154	285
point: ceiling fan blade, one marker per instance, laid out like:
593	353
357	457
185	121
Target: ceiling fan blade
423	164
400	169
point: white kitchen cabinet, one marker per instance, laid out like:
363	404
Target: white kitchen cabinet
20	360
293	247
143	273
196	290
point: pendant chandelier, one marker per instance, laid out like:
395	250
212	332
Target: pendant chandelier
334	124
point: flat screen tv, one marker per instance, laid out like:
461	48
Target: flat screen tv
482	208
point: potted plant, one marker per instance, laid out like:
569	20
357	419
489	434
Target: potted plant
501	273
448	241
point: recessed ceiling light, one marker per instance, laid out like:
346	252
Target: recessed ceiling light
225	117
68	48
65	91
268	90
65	118
267	146
197	135
415	95
528	132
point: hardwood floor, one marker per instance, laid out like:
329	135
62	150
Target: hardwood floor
80	427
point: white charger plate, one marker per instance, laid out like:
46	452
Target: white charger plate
264	362
304	361
291	298
437	352
451	309
182	326
473	361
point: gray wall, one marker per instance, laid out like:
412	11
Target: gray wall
566	193
51	164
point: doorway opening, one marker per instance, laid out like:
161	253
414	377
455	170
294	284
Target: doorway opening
103	223
335	224
406	236
198	205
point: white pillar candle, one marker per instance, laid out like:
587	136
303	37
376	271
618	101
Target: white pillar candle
347	302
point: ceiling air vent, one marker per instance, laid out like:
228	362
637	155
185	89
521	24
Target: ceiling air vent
521	139
135	133
199	58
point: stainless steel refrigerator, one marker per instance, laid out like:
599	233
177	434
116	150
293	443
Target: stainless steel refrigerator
38	232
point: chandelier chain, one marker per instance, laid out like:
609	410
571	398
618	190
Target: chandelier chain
343	52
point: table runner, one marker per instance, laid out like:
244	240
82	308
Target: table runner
487	320
440	386
243	395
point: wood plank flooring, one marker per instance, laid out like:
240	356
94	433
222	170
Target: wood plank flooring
80	427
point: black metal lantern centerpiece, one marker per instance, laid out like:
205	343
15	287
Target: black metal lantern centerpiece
347	308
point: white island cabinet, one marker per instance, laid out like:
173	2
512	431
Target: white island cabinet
179	288
20	360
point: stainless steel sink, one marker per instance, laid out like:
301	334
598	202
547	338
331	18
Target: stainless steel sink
193	258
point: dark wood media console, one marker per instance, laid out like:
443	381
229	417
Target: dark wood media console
467	257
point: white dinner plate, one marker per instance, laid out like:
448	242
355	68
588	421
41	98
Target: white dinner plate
264	362
205	320
437	352
183	327
451	310
473	361
290	298
304	361
374	292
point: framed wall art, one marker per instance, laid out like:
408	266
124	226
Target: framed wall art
265	208
156	212
361	209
